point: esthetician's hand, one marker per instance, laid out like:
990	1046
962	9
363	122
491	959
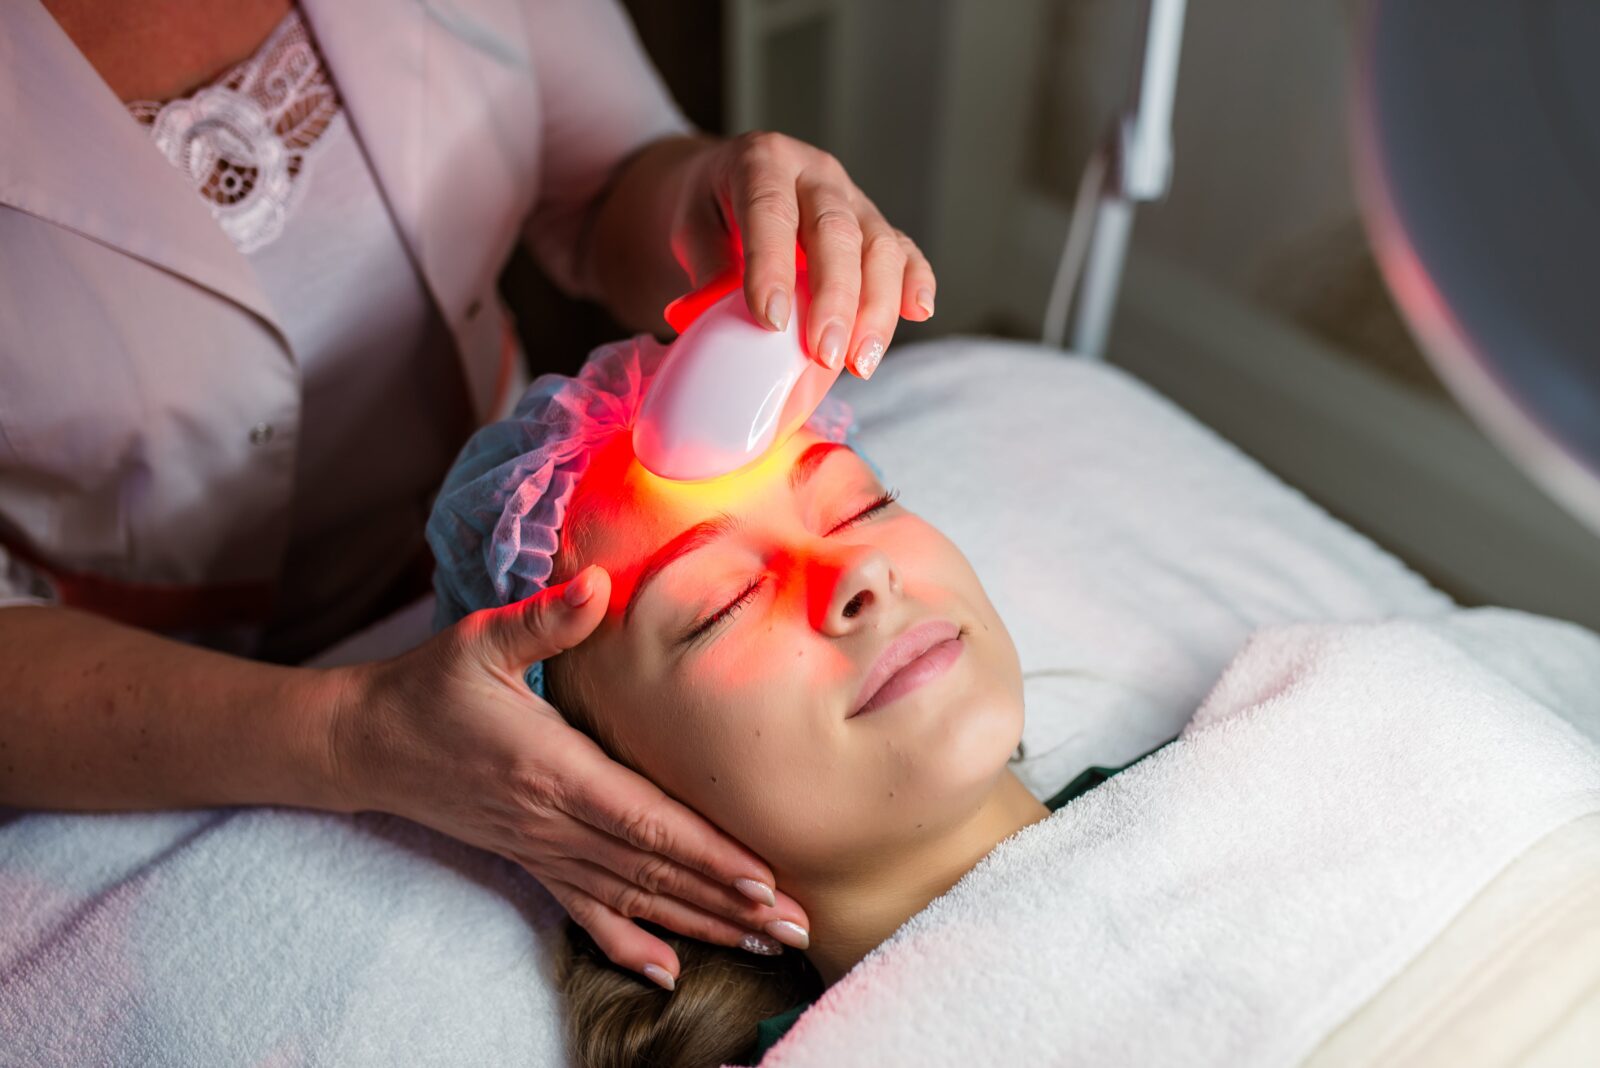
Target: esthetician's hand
747	202
450	736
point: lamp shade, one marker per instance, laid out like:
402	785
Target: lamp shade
1476	127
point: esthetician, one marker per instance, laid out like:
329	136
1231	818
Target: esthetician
248	255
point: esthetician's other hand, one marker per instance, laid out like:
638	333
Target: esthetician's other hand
450	736
752	197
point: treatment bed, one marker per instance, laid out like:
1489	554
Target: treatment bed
1133	555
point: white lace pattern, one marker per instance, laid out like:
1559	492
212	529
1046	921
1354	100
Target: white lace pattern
245	142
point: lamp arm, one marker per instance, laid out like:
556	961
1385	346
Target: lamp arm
1139	168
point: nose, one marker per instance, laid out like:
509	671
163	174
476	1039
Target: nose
849	589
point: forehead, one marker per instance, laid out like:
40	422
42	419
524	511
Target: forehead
621	512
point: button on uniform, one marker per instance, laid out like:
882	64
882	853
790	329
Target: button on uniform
261	433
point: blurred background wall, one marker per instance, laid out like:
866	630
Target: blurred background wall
1265	205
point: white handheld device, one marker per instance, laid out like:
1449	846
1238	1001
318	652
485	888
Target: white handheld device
728	390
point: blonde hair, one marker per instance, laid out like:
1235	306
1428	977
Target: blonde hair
617	1019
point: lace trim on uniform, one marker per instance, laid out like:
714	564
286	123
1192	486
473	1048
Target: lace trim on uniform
246	141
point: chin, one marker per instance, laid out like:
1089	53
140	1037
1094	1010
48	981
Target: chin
964	742
982	739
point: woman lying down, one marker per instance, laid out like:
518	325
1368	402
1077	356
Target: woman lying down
803	660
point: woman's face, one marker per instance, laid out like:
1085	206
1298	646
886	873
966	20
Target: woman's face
751	615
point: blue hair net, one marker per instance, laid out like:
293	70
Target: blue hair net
496	524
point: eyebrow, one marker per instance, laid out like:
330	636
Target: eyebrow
810	460
707	531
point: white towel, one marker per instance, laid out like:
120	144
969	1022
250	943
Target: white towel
1342	793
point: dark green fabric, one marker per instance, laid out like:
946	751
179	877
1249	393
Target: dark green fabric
771	1029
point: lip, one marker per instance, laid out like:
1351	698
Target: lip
919	649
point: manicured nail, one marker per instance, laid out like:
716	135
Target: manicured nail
867	357
760	945
756	891
660	976
778	309
790	934
834	339
925	300
578	591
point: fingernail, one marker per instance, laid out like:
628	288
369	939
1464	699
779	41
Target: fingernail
790	934
925	300
867	357
578	591
756	891
660	976
833	342
778	309
760	945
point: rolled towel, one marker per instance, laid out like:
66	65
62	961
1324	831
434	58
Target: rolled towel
1341	795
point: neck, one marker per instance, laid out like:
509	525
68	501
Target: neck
853	913
160	49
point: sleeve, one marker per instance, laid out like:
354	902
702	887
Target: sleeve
21	584
601	100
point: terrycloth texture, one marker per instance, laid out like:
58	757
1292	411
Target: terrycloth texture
1125	545
1341	795
496	524
268	938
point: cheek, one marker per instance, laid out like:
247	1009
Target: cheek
945	566
746	732
749	753
772	656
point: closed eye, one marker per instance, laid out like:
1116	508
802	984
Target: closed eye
870	510
748	593
724	612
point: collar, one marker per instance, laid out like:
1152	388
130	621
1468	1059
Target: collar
76	158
